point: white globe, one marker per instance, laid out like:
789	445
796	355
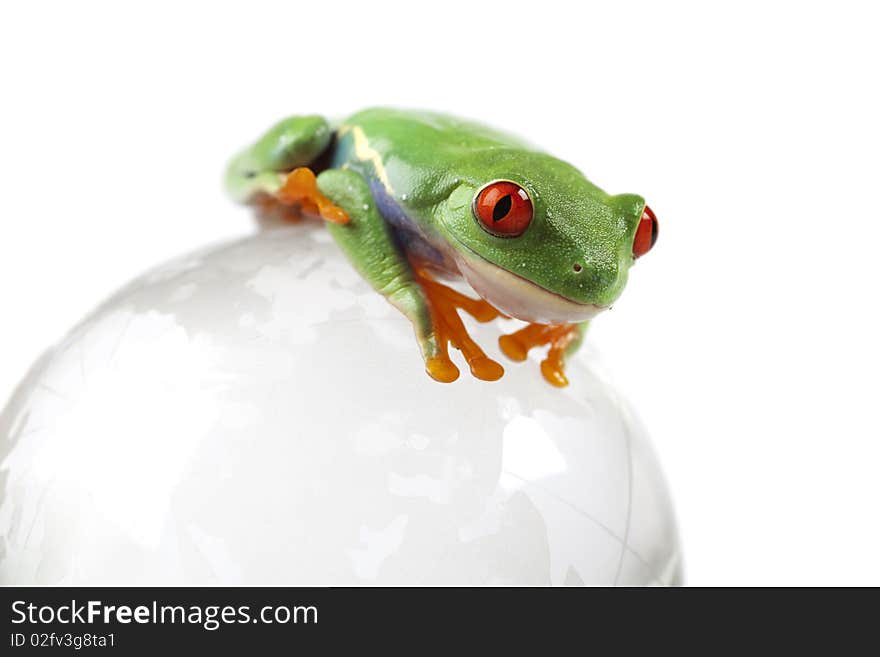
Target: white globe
255	414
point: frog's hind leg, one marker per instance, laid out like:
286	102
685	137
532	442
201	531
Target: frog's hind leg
274	173
444	303
300	189
564	340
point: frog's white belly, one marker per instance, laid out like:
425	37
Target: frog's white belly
519	297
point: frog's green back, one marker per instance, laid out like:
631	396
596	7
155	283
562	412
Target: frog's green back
430	130
415	154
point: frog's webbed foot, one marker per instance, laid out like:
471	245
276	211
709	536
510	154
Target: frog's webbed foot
560	337
298	195
444	304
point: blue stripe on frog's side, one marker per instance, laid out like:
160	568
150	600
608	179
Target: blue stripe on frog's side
406	230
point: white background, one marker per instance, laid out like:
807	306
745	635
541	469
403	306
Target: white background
747	340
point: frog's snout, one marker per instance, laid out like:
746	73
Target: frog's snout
583	274
586	282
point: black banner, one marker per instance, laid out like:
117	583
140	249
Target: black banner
244	620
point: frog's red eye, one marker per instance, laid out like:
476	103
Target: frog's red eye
646	233
504	208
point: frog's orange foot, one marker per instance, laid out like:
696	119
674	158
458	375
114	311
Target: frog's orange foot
516	346
300	192
445	303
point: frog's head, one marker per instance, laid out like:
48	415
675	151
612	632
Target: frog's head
540	242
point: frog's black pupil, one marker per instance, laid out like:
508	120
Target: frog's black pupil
501	209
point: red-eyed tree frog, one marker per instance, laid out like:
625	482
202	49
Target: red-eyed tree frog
412	197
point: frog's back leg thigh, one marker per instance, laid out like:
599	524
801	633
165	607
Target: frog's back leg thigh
262	168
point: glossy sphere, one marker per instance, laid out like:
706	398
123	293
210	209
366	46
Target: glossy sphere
255	413
504	209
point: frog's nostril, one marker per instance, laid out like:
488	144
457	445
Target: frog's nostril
578	268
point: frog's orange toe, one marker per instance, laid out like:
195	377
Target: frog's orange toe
513	348
483	312
553	373
486	369
441	369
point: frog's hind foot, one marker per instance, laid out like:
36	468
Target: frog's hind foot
299	195
516	346
444	304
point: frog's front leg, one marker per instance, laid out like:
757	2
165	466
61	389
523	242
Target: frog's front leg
432	308
445	303
564	340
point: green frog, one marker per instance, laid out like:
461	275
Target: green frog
413	198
